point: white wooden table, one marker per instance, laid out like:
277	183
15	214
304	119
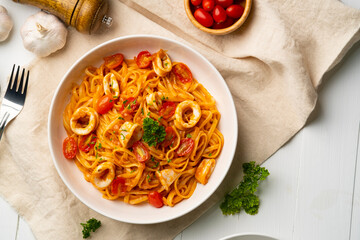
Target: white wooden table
313	191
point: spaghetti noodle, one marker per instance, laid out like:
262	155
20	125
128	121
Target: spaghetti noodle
142	130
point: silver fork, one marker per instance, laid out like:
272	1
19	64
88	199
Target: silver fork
14	98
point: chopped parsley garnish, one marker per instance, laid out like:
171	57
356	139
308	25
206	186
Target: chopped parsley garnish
188	135
159	119
169	160
123	136
243	197
162	98
210	154
142	111
124	102
148	113
90	226
154	133
121	118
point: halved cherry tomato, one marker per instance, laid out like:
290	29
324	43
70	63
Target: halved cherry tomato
203	17
186	146
69	148
143	59
116	184
219	14
183	73
224	3
196	2
208	5
169	137
87	142
167	109
235	11
155	199
228	22
114	61
104	104
141	152
130	105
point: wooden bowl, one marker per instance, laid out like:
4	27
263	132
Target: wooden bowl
247	6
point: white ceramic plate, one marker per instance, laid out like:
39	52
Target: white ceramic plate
130	46
248	236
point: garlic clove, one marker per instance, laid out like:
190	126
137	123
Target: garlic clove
43	34
6	24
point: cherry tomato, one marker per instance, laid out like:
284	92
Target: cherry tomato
182	72
69	148
208	5
196	2
130	105
186	146
114	61
167	109
203	17
141	152
224	3
219	14
235	11
228	22
155	199
169	137
118	183
143	59
87	142
104	104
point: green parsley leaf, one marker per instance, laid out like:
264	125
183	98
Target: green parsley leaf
169	160
121	118
154	133
188	135
243	197
142	111
90	226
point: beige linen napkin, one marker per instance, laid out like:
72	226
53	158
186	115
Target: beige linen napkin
273	66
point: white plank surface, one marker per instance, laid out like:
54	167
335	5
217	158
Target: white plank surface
355	217
8	221
313	191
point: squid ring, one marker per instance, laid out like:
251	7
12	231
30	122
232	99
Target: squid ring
162	63
103	175
129	134
111	85
80	113
181	110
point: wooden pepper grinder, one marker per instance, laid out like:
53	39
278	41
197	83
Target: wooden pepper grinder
85	15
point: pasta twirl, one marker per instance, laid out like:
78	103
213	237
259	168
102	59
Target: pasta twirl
142	129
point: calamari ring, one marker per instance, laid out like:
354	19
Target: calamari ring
162	63
129	134
103	175
181	110
82	112
111	85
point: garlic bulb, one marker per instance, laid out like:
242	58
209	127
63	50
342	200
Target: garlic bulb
6	24
43	34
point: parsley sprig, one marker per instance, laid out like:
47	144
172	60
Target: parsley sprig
91	225
243	197
154	133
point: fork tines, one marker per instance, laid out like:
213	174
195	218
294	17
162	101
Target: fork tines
15	91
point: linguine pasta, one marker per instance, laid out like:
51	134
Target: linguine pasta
142	129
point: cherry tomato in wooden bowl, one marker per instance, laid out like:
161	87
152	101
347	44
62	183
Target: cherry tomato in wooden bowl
218	17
